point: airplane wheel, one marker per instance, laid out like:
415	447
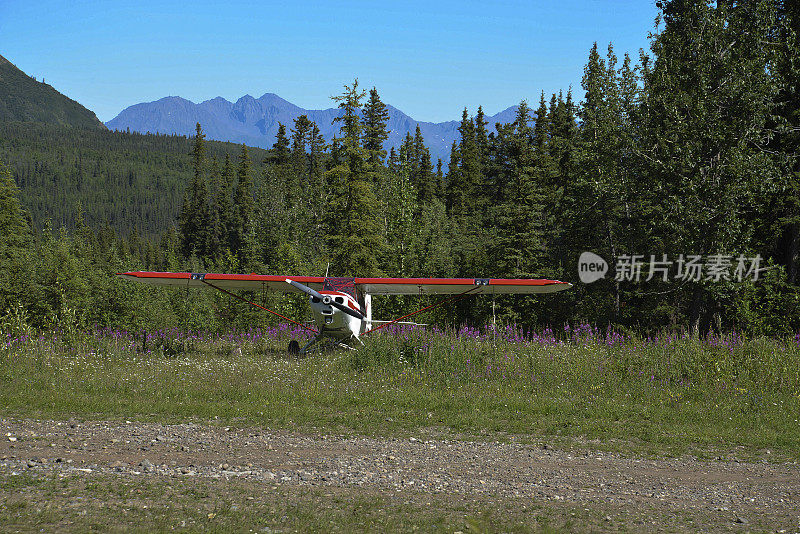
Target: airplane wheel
294	347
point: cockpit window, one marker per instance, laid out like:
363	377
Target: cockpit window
340	300
315	300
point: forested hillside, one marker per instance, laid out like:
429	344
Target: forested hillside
686	155
22	98
123	180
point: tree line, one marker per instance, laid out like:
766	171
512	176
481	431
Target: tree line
688	151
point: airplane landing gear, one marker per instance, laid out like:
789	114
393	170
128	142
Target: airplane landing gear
294	347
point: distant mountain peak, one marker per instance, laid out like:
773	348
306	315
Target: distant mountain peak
255	121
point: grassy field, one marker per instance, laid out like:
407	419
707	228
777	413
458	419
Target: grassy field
667	395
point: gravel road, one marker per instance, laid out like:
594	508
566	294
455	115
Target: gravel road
727	492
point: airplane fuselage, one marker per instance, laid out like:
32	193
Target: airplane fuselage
333	322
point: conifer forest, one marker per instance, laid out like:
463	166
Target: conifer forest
689	148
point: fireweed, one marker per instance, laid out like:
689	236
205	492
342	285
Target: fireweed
576	380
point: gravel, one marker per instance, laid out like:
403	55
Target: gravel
732	490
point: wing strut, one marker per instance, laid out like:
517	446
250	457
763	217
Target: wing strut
445	301
257	305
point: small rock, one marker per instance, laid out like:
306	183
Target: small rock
12	438
147	466
740	520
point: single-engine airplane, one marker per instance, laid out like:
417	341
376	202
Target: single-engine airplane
342	307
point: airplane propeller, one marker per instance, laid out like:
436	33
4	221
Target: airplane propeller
327	299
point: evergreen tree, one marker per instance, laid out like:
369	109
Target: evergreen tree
421	168
224	202
375	133
194	217
14	242
400	207
439	191
541	129
215	233
481	138
393	163
355	233
453	199
300	135
243	202
280	150
316	149
352	127
518	213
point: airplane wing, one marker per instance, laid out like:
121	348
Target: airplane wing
373	286
454	286
249	282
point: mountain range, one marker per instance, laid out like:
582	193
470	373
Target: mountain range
254	121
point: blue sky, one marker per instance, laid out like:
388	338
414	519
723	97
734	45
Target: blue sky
429	59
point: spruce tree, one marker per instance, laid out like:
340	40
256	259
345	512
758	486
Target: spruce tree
215	233
352	127
541	129
355	233
393	163
194	217
423	173
243	202
224	200
453	201
375	133
481	138
280	150
300	134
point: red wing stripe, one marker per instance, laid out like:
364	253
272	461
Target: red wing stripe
321	279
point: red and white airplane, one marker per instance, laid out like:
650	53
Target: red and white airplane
342	307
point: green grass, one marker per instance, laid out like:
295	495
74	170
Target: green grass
655	397
53	503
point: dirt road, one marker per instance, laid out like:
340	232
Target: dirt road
729	494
